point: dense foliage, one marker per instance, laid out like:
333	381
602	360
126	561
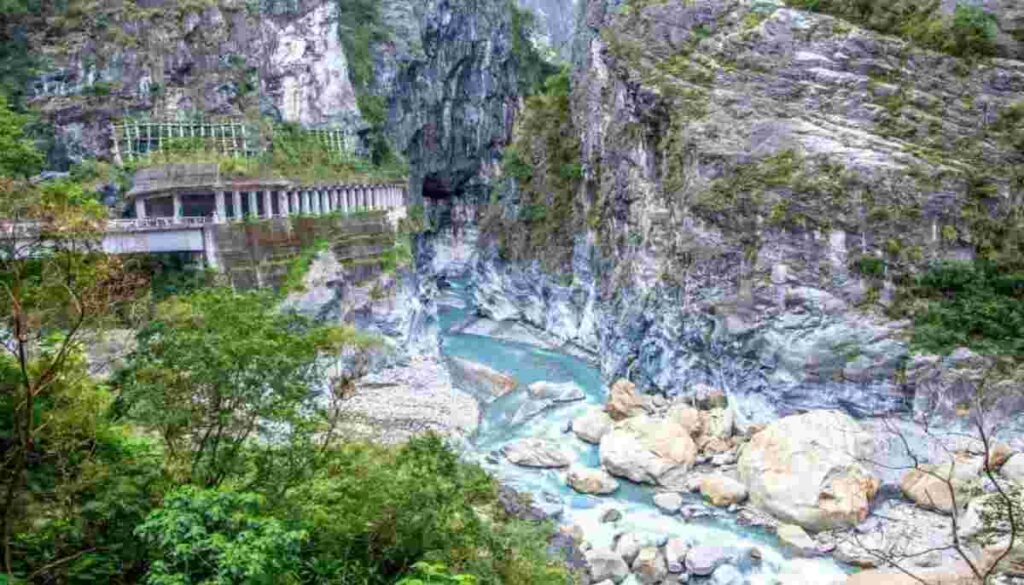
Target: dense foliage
18	156
290	153
362	28
213	458
543	171
970	304
213	455
969	32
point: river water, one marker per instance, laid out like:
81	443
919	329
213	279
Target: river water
529	363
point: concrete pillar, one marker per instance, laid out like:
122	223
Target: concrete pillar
177	205
254	210
305	202
314	198
140	208
296	206
350	205
374	202
325	201
268	204
210	247
364	196
282	203
236	203
332	193
222	210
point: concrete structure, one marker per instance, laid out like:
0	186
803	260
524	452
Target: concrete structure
187	192
177	207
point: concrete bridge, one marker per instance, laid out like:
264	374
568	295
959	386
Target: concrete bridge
176	207
189	208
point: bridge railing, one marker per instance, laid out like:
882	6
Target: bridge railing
156	223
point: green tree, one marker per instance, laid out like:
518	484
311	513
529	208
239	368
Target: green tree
217	537
53	285
217	370
374	512
18	155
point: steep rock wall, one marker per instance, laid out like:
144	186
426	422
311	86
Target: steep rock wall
158	59
756	178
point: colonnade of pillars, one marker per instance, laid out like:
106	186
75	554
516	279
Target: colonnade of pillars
318	200
312	200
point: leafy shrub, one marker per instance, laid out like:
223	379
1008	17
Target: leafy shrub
869	266
970	304
435	574
18	156
514	166
373	512
970	32
216	536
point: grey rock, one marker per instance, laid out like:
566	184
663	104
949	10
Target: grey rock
612	515
593	425
675	555
727	575
606	564
1013	469
556	391
536	453
668	502
628	545
703	560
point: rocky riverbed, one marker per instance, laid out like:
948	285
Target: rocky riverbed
649	489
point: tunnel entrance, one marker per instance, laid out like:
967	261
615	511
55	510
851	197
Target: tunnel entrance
437	187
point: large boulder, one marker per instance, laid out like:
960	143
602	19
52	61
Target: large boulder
796	540
664	438
604	564
536	453
1013	469
649	566
556	391
593	425
668	502
687	417
623	400
722	490
482	380
958	574
591	481
675	554
936	487
644	450
703	560
809	470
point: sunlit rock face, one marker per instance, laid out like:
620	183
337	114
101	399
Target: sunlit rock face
757	182
174	61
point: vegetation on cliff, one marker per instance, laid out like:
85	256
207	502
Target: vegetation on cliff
290	153
969	32
542	172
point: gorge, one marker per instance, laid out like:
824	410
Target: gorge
714	291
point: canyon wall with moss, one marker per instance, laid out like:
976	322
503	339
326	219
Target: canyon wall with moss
759	189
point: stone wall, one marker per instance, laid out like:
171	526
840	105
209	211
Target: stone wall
260	253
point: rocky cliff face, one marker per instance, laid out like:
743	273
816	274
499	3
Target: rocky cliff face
756	180
163	60
451	76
